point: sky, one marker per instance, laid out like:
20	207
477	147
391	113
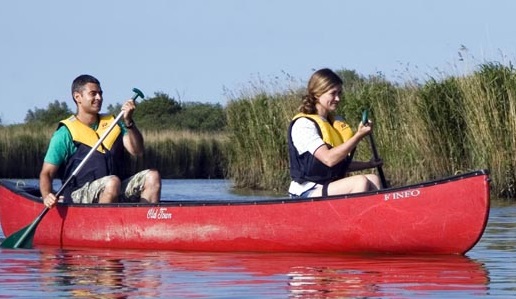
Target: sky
211	51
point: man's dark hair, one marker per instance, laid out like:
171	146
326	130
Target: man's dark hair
82	80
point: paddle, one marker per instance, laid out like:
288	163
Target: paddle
365	119
24	237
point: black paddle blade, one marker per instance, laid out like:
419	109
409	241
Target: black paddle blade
20	239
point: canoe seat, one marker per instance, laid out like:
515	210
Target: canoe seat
21	186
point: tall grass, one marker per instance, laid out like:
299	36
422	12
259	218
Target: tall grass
490	119
181	154
257	141
20	150
176	154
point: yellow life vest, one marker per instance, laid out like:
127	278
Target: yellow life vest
86	135
333	135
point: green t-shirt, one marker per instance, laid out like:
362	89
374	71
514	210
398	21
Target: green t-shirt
61	146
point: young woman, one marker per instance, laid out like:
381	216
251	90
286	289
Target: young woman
321	145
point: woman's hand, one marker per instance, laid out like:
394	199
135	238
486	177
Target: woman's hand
365	129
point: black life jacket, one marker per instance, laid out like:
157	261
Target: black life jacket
101	163
306	167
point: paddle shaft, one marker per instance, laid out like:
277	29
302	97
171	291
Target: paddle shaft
375	151
377	157
31	228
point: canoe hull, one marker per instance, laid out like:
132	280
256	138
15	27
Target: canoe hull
441	217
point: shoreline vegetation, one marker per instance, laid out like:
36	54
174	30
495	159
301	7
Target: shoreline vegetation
423	131
177	154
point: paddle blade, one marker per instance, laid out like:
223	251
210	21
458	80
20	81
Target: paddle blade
23	238
20	239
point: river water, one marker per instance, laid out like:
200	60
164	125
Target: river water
488	270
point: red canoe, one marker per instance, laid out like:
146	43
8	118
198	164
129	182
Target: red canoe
446	216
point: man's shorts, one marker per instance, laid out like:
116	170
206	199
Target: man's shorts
132	188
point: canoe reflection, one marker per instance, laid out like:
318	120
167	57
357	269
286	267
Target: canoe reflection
121	274
336	276
97	274
387	276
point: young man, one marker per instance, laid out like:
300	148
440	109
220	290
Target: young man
98	180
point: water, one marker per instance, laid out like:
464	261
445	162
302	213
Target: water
488	270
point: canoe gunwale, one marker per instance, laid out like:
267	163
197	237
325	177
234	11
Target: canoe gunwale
25	192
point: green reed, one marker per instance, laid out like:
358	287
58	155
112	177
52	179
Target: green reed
257	126
199	158
490	117
21	149
176	154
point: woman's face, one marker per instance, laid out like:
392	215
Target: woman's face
328	101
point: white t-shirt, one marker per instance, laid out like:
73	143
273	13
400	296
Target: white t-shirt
305	138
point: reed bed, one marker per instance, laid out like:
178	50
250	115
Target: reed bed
20	150
176	154
257	155
184	154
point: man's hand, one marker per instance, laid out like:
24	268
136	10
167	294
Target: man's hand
50	200
128	108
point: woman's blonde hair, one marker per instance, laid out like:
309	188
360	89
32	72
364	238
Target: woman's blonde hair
320	82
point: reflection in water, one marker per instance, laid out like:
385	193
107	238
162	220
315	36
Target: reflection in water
384	276
97	273
337	276
103	273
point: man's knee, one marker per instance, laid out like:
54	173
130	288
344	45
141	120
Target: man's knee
111	190
153	178
113	183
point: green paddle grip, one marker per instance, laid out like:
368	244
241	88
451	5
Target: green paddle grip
137	93
365	118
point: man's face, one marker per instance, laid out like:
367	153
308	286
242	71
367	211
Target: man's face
90	98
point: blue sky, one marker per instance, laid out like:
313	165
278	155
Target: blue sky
194	50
